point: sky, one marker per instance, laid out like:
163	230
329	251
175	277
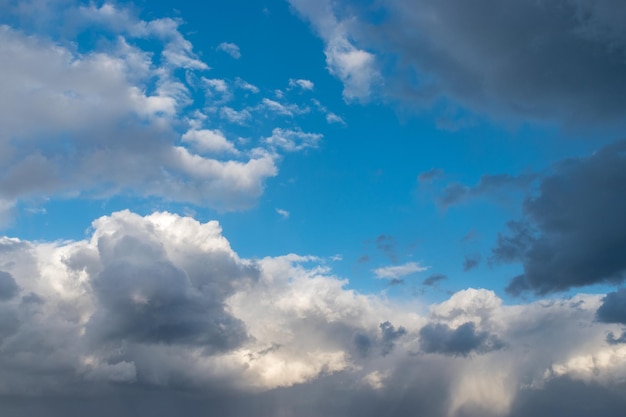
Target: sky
313	208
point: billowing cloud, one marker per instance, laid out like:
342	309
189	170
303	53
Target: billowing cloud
573	233
160	305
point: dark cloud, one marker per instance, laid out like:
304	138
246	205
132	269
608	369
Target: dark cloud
613	308
430	175
488	185
560	59
384	342
389	335
465	339
387	245
564	396
8	287
434	280
471	262
574	233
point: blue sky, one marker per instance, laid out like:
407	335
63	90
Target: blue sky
403	177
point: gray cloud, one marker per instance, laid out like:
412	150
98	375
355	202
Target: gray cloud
613	308
8	287
430	175
471	262
434	280
574	234
558	60
494	186
465	339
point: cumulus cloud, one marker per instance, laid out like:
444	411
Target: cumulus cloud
573	233
157	306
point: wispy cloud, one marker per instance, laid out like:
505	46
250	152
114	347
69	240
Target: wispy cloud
398	271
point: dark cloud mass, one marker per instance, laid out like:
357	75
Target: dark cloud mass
575	233
8	287
558	59
613	308
440	338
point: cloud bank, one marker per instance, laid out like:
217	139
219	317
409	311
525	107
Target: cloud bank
161	305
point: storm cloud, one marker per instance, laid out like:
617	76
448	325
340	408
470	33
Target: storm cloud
574	232
560	60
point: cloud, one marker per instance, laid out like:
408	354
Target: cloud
283	213
333	118
303	84
429	176
119	119
8	287
560	61
160	308
613	308
230	48
209	141
293	140
440	338
572	234
488	185
434	280
355	67
398	271
471	262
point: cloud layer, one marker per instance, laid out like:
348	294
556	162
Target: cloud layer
160	303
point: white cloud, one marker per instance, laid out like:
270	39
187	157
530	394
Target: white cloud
293	140
234	116
207	141
283	213
398	271
356	68
230	48
244	85
303	84
333	118
122	112
282	109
